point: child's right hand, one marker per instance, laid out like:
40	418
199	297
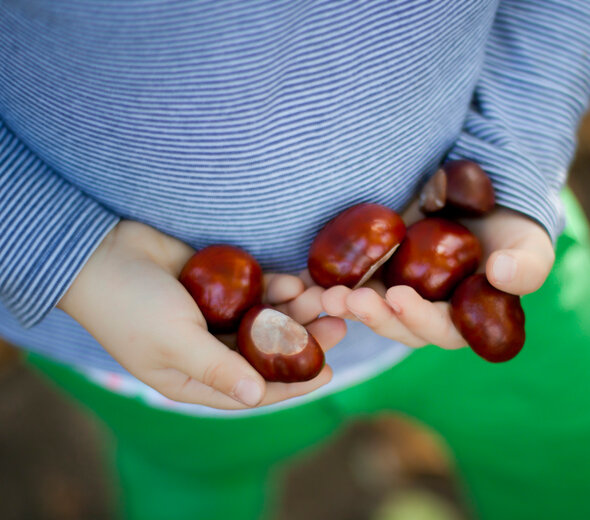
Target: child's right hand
128	297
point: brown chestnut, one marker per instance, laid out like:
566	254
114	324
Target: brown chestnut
225	281
490	320
459	188
434	257
354	244
278	347
433	196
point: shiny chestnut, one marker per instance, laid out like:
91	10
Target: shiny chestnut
354	244
490	320
434	257
278	347
459	188
225	281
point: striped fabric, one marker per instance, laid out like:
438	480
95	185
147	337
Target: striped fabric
254	122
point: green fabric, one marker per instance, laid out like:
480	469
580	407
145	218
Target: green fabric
520	431
173	466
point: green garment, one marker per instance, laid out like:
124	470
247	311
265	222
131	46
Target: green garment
520	431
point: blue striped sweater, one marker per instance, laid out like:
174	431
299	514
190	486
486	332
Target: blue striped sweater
253	123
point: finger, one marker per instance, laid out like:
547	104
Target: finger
177	386
280	288
306	307
374	312
328	331
334	302
281	391
519	251
519	271
207	360
427	320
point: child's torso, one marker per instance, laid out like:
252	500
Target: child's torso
250	123
243	122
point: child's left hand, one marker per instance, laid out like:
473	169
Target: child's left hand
518	256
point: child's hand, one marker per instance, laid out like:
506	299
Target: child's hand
128	297
518	256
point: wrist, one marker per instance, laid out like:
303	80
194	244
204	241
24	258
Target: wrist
72	300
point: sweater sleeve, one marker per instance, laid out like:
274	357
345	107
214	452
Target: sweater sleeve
527	104
48	229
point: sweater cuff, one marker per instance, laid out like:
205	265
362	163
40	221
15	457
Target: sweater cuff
48	229
518	183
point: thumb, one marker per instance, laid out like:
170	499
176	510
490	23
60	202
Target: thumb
207	361
521	269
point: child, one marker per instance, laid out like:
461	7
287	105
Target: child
133	133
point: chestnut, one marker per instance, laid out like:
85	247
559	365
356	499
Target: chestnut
225	281
433	196
278	347
354	244
459	188
490	320
434	257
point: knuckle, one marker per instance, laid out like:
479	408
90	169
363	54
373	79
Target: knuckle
168	389
168	393
212	375
370	320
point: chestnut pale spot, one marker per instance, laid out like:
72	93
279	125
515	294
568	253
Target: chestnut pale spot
276	333
367	276
278	347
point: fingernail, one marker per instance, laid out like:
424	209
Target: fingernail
248	392
504	269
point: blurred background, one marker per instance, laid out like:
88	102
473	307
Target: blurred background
391	468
